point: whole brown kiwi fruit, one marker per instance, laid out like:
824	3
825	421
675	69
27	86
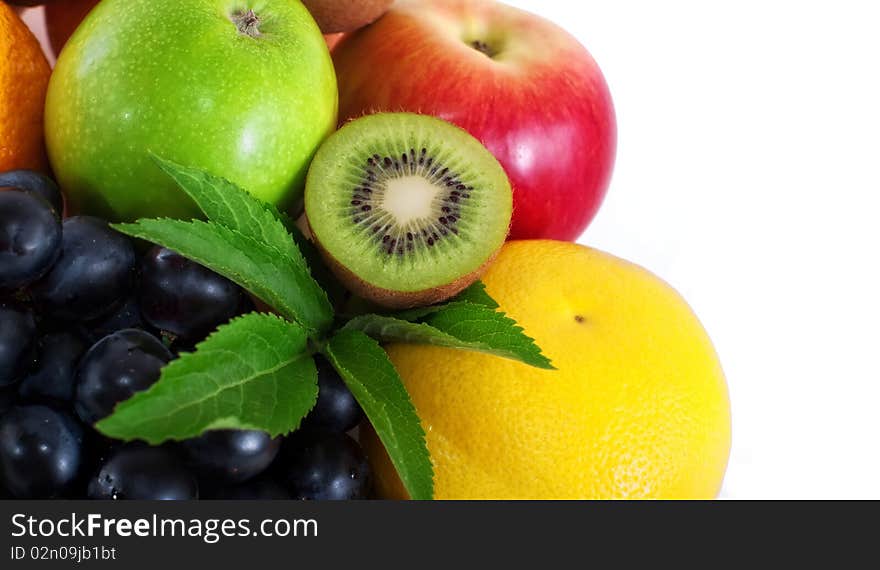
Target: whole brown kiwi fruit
334	16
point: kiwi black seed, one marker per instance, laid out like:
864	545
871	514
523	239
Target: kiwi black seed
390	238
407	208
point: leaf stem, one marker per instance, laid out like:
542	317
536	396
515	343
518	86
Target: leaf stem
316	345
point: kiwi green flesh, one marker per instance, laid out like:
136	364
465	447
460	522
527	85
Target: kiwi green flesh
402	299
407	203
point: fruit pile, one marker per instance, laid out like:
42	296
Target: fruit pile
224	246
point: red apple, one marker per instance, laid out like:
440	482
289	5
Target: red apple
522	85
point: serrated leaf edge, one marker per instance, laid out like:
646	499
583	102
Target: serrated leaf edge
184	358
131	229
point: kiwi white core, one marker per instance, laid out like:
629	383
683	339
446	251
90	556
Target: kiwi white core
409	199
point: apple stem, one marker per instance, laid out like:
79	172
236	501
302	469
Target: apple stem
248	23
483	48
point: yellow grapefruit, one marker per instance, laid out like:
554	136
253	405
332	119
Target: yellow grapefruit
637	408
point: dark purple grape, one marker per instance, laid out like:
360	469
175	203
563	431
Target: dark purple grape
18	331
324	466
35	183
40	451
246	305
97	449
336	409
139	472
8	399
231	455
183	298
126	316
30	238
114	369
53	378
92	276
262	488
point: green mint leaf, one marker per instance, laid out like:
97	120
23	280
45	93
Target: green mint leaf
372	379
273	277
320	271
476	295
253	373
458	325
229	205
479	324
389	329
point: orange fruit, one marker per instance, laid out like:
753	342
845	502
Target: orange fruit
637	408
24	76
62	19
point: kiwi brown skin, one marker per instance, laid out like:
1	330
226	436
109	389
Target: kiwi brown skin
399	300
334	16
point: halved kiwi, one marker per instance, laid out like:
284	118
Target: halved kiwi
407	209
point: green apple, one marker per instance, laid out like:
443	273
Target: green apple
244	89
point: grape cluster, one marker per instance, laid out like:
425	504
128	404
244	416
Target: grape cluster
86	321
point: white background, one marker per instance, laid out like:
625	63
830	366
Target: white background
748	175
